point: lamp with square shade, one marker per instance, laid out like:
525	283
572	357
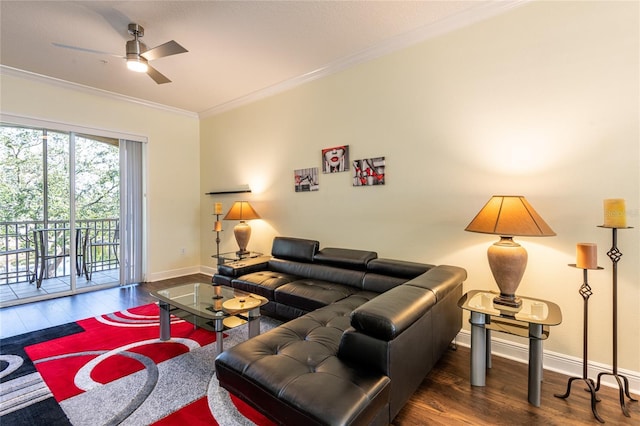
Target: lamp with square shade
242	211
508	216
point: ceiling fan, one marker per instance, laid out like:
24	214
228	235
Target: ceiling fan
138	56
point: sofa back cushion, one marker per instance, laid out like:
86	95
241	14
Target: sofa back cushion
441	280
380	283
294	249
385	274
398	268
318	272
345	258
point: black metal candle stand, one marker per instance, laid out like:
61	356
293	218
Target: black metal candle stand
623	383
585	292
217	215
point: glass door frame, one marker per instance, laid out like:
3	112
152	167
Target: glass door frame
73	130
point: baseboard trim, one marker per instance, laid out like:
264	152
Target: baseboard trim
208	270
554	361
174	273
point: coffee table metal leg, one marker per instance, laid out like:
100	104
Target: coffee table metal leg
488	348
535	363
219	324
478	349
254	322
165	321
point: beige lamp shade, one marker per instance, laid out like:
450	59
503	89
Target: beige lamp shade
508	216
242	210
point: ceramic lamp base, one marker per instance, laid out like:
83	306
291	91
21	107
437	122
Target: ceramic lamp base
242	232
507	260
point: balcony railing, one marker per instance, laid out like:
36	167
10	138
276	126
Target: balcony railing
23	258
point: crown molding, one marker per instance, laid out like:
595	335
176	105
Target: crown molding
401	41
27	75
463	19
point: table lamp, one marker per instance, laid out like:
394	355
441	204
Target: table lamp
242	210
508	216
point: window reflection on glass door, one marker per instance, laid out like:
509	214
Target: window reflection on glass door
97	203
52	236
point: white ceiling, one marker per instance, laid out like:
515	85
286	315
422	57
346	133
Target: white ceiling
238	50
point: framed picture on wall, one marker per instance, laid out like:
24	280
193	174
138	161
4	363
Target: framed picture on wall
335	159
306	180
369	172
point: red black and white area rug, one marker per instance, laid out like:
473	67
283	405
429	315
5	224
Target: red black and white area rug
113	369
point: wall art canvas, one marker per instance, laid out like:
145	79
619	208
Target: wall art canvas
369	172
306	179
335	159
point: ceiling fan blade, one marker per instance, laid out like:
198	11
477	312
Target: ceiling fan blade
167	49
156	75
84	49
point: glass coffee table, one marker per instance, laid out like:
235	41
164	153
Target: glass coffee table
220	306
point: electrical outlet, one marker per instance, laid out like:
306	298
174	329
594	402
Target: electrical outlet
183	251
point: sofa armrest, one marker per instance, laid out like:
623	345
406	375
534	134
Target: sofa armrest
243	267
389	314
393	336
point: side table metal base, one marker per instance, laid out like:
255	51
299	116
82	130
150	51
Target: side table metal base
481	355
535	364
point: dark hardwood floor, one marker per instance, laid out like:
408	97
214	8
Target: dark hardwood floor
444	398
20	319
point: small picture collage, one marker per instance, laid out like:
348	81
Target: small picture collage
365	172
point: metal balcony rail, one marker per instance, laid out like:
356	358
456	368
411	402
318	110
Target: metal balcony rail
23	258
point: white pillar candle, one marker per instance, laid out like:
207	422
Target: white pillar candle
587	256
218	226
615	215
217	208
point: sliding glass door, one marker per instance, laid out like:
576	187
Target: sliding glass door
72	212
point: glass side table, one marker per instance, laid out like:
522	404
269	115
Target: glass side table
233	256
531	320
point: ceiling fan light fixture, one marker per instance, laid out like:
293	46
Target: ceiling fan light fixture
137	64
137	54
135	48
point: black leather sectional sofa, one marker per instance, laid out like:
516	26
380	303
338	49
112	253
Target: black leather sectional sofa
364	332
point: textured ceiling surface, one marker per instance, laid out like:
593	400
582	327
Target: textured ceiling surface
236	48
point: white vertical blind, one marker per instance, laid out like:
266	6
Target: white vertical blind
131	212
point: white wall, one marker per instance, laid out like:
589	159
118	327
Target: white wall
173	175
541	101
